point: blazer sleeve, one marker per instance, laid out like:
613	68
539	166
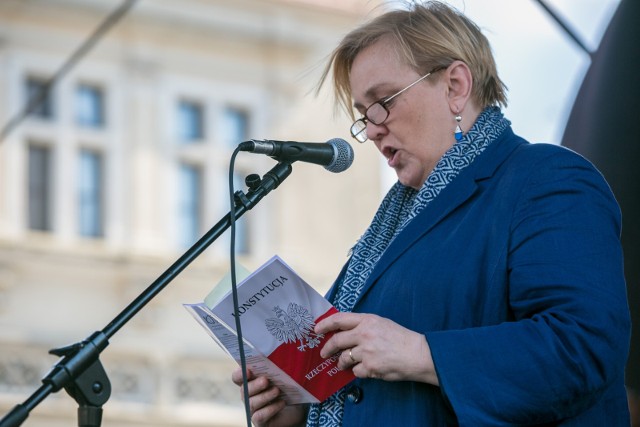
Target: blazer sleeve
569	337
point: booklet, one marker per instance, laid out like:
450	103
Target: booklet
278	312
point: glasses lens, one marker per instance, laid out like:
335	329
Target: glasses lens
361	137
377	114
358	126
358	130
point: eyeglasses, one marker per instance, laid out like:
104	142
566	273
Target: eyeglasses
377	113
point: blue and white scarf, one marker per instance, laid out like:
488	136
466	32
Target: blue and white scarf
399	207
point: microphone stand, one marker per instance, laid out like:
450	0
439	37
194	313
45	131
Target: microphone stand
79	370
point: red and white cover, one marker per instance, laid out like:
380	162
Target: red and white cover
278	312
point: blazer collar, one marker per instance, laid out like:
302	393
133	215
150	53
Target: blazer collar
452	196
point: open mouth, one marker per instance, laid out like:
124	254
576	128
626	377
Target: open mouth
391	155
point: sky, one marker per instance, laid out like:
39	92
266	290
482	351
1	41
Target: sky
542	67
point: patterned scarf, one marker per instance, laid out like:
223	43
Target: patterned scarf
399	207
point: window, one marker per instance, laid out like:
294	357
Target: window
236	129
235	126
39	98
39	197
90	191
189	203
190	121
89	106
242	224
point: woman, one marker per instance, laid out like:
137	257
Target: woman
488	289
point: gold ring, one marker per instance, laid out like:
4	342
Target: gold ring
351	356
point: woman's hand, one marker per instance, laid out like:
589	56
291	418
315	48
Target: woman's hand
267	407
375	347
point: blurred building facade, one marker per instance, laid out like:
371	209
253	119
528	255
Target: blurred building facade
124	165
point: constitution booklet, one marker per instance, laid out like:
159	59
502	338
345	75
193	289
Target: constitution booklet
278	312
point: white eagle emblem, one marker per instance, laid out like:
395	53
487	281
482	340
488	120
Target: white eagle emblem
296	324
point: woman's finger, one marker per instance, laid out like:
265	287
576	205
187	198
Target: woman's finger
338	322
236	376
263	399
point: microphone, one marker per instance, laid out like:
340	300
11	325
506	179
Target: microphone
336	155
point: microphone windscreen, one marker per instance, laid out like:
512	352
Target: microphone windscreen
343	155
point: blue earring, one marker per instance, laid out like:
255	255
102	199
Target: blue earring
458	132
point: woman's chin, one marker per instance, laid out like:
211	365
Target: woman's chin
412	182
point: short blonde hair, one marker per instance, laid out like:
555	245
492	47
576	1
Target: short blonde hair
428	36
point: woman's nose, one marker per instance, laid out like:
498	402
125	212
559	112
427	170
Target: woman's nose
375	132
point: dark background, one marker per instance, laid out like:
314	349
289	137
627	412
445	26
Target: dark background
603	127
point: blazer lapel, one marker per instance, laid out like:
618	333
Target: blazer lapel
452	196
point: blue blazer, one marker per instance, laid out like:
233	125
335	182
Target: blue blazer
514	275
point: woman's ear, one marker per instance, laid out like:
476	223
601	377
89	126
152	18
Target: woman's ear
460	84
